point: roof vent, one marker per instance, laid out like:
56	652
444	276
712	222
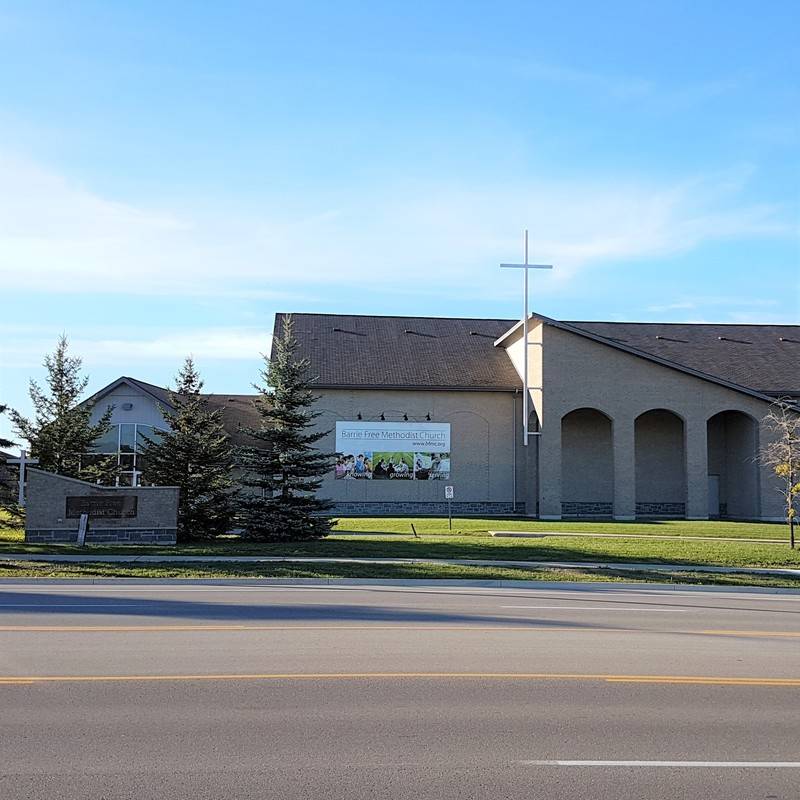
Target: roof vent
127	406
670	339
231	399
418	333
352	333
729	339
478	333
787	339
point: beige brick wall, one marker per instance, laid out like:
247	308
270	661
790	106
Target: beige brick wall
484	438
579	373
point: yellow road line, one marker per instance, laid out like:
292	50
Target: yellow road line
793	634
709	681
336	676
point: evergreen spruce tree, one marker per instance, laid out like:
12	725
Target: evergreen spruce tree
283	469
10	512
61	434
194	454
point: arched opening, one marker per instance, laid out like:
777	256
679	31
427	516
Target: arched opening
660	464
732	466
587	464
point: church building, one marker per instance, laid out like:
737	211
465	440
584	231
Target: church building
626	420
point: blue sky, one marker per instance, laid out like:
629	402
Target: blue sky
173	173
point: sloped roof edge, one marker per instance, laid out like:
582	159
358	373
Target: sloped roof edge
565	326
161	396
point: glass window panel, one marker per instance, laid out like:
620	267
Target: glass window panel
146	430
108	443
127	437
126	460
126	479
92	460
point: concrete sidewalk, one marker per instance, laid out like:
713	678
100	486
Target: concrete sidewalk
459	562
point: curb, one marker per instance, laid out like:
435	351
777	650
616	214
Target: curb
631	566
389	583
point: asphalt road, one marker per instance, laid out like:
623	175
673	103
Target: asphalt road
162	691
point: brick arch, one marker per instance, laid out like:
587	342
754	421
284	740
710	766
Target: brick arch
730	410
584	407
732	442
587	463
681	416
659	449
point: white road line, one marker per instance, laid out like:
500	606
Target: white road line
705	764
610	608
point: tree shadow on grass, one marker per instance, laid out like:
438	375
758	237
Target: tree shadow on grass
529	550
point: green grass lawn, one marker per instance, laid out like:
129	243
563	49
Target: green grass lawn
470	541
461	526
378	571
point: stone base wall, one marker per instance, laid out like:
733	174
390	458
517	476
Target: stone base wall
165	536
389	509
675	510
577	509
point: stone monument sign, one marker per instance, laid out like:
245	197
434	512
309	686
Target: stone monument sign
116	514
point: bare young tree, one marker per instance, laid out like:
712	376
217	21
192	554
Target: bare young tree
782	453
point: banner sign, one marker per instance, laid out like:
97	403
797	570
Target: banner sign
418	451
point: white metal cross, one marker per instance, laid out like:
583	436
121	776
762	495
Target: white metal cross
525	393
23	461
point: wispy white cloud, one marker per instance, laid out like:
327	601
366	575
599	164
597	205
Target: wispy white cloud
725	301
59	236
217	344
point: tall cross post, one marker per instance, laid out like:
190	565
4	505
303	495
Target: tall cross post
525	394
23	461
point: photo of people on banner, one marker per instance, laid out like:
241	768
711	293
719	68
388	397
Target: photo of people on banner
394	466
389	457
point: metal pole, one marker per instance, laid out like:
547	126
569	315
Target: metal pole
525	330
525	412
514	451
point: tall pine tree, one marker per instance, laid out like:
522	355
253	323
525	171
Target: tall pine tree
282	468
61	434
194	454
10	512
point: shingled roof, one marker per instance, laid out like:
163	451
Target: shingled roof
764	358
238	413
457	353
237	410
404	352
